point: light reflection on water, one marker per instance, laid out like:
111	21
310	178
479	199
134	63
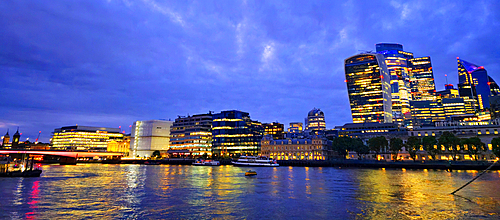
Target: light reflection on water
169	191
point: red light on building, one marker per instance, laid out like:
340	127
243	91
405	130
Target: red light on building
458	58
381	77
345	80
489	83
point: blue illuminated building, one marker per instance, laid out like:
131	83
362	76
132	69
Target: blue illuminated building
475	86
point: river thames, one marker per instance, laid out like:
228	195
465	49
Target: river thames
190	192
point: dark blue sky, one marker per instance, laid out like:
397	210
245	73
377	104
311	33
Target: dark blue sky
109	63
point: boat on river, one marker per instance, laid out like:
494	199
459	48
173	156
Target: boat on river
251	173
201	162
254	161
10	168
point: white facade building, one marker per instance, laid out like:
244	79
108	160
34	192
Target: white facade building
149	136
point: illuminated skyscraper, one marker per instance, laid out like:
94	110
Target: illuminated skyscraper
473	86
233	132
422	79
396	61
192	134
369	88
315	120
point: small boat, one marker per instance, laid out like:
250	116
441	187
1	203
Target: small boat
255	161
200	162
250	173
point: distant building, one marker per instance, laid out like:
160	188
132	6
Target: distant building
295	130
6	140
426	112
84	138
449	92
453	107
149	136
315	120
369	88
15	139
485	130
314	148
192	135
495	106
367	130
234	133
122	146
275	129
422	79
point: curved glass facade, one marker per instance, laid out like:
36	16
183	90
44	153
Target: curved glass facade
474	86
368	86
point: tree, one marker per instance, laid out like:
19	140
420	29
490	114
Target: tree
413	145
451	143
495	144
156	154
360	147
475	147
376	144
429	143
395	145
342	145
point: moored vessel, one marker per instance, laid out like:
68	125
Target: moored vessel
200	162
254	161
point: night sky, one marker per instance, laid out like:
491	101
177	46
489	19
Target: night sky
110	63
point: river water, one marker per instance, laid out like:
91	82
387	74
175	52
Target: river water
189	192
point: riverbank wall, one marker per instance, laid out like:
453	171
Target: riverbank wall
443	165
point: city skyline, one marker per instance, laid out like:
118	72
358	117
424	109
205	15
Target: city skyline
110	63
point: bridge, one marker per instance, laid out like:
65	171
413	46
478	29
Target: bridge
66	157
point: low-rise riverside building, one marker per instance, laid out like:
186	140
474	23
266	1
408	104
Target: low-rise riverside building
234	134
192	135
313	148
121	146
84	138
484	130
149	136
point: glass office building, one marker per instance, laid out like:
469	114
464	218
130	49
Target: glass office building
422	79
234	133
396	61
84	138
192	135
275	129
369	88
426	112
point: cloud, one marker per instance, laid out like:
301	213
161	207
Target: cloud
108	63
